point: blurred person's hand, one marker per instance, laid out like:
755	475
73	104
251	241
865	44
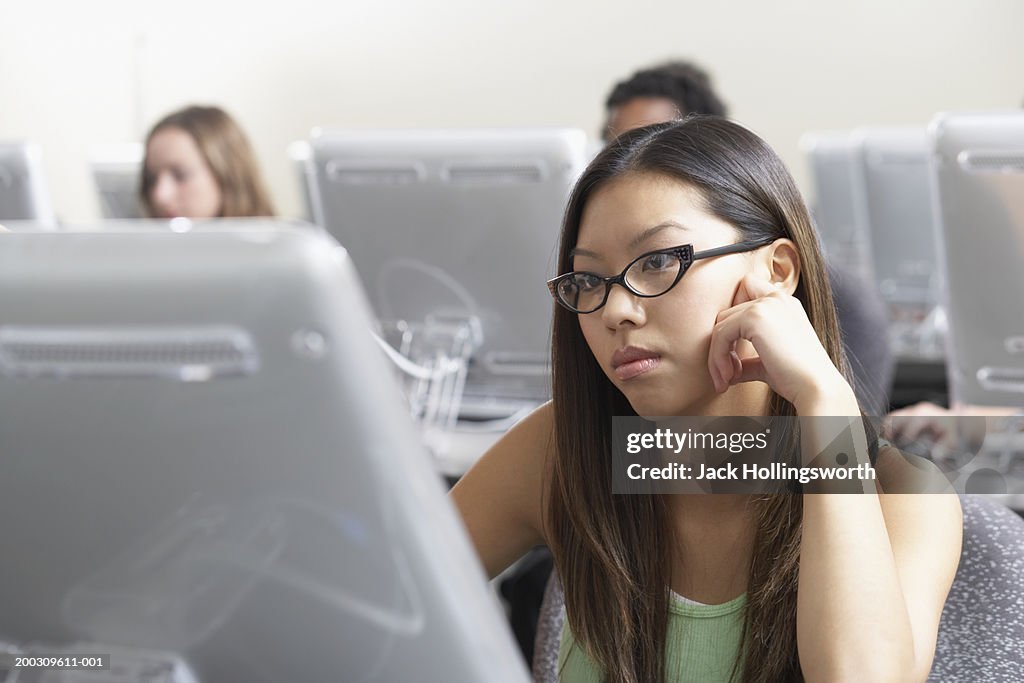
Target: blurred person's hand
923	427
943	431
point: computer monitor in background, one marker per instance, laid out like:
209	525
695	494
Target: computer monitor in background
24	194
456	224
208	468
116	172
979	176
900	214
300	155
838	203
593	148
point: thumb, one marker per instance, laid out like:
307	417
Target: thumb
753	286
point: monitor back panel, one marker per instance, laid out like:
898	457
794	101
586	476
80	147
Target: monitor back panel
117	174
839	205
980	195
900	214
24	194
205	456
455	224
300	155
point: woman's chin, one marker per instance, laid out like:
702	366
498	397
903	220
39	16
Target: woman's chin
650	406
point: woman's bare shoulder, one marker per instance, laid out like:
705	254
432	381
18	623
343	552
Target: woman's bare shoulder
502	497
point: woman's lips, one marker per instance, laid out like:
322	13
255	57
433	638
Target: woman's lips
632	361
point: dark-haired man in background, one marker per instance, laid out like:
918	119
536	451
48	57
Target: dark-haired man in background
659	93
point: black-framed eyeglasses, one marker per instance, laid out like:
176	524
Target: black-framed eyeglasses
648	275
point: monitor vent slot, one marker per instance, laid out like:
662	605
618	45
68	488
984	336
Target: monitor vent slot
184	354
494	173
897	159
1001	379
369	173
1009	161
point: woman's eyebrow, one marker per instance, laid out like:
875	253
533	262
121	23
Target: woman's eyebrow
652	231
576	251
635	242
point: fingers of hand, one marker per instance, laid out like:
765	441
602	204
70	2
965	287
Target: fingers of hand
722	349
724	364
758	300
914	428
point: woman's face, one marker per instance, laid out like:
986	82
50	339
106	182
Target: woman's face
181	182
655	350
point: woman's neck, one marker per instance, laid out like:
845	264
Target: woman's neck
710	513
715	533
714	542
750	399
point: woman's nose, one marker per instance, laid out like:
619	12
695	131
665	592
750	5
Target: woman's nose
164	190
622	308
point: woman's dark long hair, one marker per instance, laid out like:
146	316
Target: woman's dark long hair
612	552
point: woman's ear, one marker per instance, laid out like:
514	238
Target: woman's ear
783	263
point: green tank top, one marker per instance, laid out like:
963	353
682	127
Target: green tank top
701	645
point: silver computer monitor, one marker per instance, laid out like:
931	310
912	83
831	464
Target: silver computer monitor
24	194
979	178
457	224
900	214
207	468
116	173
837	202
300	155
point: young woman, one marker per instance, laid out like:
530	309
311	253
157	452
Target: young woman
199	164
706	587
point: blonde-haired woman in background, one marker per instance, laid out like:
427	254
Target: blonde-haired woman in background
199	164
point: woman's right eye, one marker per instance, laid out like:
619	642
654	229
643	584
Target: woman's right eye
587	282
653	262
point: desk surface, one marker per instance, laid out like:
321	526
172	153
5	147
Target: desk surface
464	449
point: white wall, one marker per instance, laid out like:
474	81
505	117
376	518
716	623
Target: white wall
77	74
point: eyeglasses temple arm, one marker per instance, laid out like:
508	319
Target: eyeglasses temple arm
733	248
